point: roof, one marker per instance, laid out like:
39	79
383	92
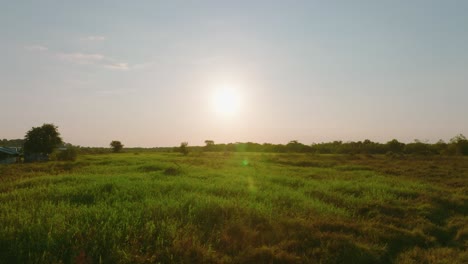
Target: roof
9	151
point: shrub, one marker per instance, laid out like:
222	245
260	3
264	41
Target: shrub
459	144
184	148
68	154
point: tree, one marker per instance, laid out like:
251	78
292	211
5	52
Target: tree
183	148
209	145
295	146
116	146
460	144
42	140
440	147
418	147
395	146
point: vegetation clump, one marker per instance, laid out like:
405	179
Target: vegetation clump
116	146
41	141
68	153
456	146
183	148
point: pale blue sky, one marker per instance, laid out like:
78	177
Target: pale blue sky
145	72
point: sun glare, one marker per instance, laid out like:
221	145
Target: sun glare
226	101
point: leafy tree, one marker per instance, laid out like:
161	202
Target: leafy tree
209	145
418	147
395	146
296	146
183	148
460	144
116	146
440	147
12	143
42	140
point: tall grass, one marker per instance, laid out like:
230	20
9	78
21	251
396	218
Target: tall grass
234	208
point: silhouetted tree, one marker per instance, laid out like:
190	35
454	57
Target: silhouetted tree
460	144
440	147
19	143
116	146
395	146
296	146
418	147
183	148
209	145
42	140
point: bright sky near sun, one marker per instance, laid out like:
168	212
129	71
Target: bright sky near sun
156	73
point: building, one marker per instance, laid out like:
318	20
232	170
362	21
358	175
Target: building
9	155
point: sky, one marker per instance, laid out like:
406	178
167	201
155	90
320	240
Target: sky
149	73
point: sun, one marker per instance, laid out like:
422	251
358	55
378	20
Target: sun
226	101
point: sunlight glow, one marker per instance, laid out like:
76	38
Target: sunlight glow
226	101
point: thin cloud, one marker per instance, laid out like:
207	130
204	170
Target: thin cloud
94	59
37	48
117	66
95	38
81	58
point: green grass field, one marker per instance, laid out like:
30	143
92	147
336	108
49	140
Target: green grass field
235	208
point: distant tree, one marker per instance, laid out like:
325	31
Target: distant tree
395	146
19	143
231	147
460	144
440	147
418	147
42	140
209	145
183	148
116	146
296	146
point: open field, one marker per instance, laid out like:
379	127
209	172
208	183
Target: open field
235	208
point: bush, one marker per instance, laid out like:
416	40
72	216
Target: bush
184	148
68	154
459	145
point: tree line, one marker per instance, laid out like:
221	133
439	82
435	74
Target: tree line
45	140
458	145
